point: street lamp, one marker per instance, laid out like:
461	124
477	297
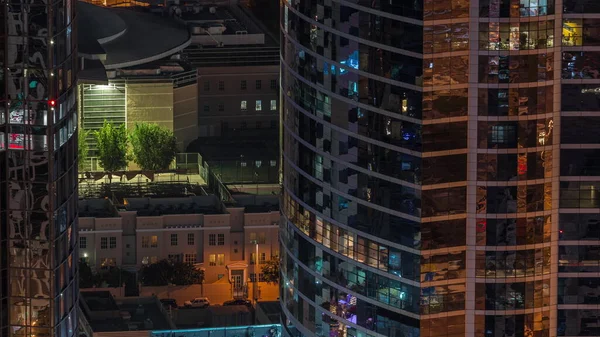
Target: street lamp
255	286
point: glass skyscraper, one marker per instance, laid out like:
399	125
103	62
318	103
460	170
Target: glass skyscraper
441	163
38	169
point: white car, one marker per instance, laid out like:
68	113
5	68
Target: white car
198	302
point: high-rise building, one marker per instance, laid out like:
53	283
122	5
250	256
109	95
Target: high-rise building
38	168
440	172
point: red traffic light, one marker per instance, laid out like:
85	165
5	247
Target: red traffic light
51	102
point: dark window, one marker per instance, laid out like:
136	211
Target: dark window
273	84
580	97
258	84
243	85
445	201
576	162
581	6
580	130
444	169
206	85
221	107
221	85
444	136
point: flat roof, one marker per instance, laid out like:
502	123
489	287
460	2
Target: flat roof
208	204
142	310
96	208
128	37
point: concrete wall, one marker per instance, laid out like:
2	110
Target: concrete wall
150	103
185	114
212	122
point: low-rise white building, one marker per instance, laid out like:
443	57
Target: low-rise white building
222	239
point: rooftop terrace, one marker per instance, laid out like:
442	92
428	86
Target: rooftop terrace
208	204
96	208
257	203
105	313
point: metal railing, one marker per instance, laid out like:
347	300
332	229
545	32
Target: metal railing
185	78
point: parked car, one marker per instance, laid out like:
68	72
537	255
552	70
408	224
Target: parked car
198	302
238	302
169	303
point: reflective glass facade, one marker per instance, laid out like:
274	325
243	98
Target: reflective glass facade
38	169
440	167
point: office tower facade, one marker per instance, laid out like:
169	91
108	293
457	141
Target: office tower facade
38	168
439	168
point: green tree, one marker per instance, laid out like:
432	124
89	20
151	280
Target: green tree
113	277
154	147
83	148
185	274
112	147
270	270
157	274
87	279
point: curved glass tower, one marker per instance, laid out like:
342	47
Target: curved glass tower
439	170
38	169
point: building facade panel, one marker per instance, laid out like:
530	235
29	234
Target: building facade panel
38	168
439	154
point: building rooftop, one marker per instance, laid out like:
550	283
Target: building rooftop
97	208
257	203
271	310
120	37
208	204
105	313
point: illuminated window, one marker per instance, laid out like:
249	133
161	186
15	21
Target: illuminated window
244	105
273	104
149	260
572	32
258	105
503	134
252	237
262	238
212	260
221	259
252	258
154	241
108	262
263	258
